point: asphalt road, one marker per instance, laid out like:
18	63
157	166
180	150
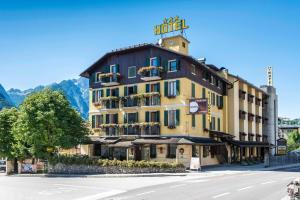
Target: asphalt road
230	185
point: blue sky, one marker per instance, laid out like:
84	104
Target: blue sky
48	41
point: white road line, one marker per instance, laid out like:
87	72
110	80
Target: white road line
102	195
77	186
245	188
221	195
197	181
176	186
268	182
144	193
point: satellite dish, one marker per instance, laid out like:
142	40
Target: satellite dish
160	42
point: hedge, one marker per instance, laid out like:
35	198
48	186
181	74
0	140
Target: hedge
85	160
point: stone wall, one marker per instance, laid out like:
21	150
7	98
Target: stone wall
90	169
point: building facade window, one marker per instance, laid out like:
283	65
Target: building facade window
171	151
205	151
203	93
193	69
172	88
154	61
97	120
132	72
97	94
204	121
172	65
172	118
213	123
152	116
153	151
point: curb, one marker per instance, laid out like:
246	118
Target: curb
281	167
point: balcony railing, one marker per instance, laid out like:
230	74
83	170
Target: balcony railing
112	131
130	102
132	130
152	100
110	79
150	73
151	130
111	104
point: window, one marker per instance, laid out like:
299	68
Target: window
213	98
193	90
172	65
193	69
111	118
171	151
98	77
204	121
131	118
172	88
193	120
97	120
213	123
154	62
152	116
172	118
195	151
130	90
152	151
205	151
132	72
97	94
203	93
183	44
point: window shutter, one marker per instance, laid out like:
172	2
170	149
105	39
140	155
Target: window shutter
93	121
147	88
178	64
137	117
158	61
117	92
166	118
193	120
178	87
117	68
116	118
203	93
165	65
93	78
166	88
135	89
219	124
106	69
94	96
125	91
221	101
204	121
107	92
147	117
158	87
147	62
101	93
125	118
107	118
177	117
193	90
158	116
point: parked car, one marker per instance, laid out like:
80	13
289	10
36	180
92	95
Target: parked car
2	165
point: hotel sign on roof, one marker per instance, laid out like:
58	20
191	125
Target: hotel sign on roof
170	25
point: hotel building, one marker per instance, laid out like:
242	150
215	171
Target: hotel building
140	108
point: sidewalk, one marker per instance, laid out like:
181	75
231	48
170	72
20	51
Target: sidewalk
206	170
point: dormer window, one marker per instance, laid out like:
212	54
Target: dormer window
172	65
154	62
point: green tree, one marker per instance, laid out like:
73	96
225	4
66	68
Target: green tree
7	119
293	141
46	123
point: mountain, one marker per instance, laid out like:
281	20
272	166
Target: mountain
5	100
76	91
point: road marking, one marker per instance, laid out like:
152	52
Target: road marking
176	186
77	186
221	195
198	181
144	193
245	188
268	182
102	195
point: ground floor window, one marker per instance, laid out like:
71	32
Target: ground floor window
152	151
195	151
171	151
205	151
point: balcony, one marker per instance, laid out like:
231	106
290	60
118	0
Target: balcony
150	73
111	131
151	130
132	129
152	100
130	102
110	79
111	104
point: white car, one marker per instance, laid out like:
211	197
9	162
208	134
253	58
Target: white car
2	165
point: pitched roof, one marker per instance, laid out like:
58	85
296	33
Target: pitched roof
85	73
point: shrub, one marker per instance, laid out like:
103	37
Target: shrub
85	160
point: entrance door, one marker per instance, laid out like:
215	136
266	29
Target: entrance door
138	153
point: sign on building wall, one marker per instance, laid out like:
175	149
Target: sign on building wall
170	25
281	146
198	106
209	107
270	76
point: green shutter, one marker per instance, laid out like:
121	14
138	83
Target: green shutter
178	64
107	92
93	121
118	68
147	88
106	69
177	117
117	92
94	96
166	118
137	117
101	93
135	89
116	118
221	101
178	87
193	90
158	61
165	65
147	116
166	89
125	91
125	118
204	121
219	124
158	116
158	87
147	62
203	93
193	120
93	78
107	118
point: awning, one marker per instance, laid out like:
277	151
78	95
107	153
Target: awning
250	143
101	140
122	144
220	134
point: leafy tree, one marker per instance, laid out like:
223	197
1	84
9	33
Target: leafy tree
7	119
46	123
293	141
